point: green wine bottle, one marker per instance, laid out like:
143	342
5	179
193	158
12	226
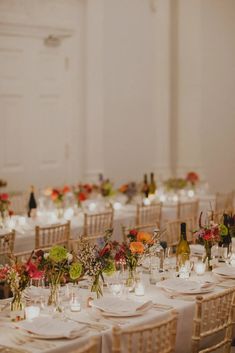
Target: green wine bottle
183	249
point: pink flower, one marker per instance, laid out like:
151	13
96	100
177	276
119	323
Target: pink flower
33	271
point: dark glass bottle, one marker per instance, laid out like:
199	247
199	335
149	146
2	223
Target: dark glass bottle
145	187
32	204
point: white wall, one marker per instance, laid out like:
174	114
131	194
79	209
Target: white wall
218	93
205	90
145	88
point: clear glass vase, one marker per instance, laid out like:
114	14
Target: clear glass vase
207	258
17	306
97	286
53	298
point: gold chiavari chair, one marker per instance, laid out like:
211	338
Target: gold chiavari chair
224	202
46	237
214	318
189	209
172	235
91	347
95	224
155	338
149	216
7	242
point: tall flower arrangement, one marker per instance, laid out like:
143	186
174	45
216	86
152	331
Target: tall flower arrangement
96	260
208	235
58	265
18	276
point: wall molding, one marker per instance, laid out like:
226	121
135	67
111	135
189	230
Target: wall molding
34	31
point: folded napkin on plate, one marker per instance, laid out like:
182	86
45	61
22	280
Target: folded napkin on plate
46	327
116	305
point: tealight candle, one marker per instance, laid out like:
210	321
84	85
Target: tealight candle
139	288
74	304
116	288
31	312
200	268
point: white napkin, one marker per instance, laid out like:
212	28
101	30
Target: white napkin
47	327
120	306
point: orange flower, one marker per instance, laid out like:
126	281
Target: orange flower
136	247
66	189
144	237
123	188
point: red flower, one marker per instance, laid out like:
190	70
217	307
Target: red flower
88	188
4	197
82	196
133	232
33	272
105	250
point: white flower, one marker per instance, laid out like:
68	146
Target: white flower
69	257
46	255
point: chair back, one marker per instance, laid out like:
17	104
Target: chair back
7	242
46	237
155	338
186	210
95	224
224	202
150	215
172	236
213	319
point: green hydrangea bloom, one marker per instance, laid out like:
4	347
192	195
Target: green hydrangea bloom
75	270
109	268
58	253
223	230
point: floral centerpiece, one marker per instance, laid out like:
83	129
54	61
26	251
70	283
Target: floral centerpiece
3	183
4	204
96	260
175	184
106	188
18	276
130	190
208	235
192	178
82	192
58	266
57	194
131	252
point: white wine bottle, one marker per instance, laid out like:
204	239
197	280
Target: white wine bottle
183	249
152	185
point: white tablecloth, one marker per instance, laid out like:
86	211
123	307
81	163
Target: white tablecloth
184	307
126	216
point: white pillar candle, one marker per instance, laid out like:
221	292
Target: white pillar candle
31	312
200	268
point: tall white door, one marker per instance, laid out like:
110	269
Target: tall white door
34	124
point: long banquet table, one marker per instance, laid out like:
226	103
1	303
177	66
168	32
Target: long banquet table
184	305
126	216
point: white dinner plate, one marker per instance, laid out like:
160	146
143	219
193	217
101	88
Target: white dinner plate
183	286
225	271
